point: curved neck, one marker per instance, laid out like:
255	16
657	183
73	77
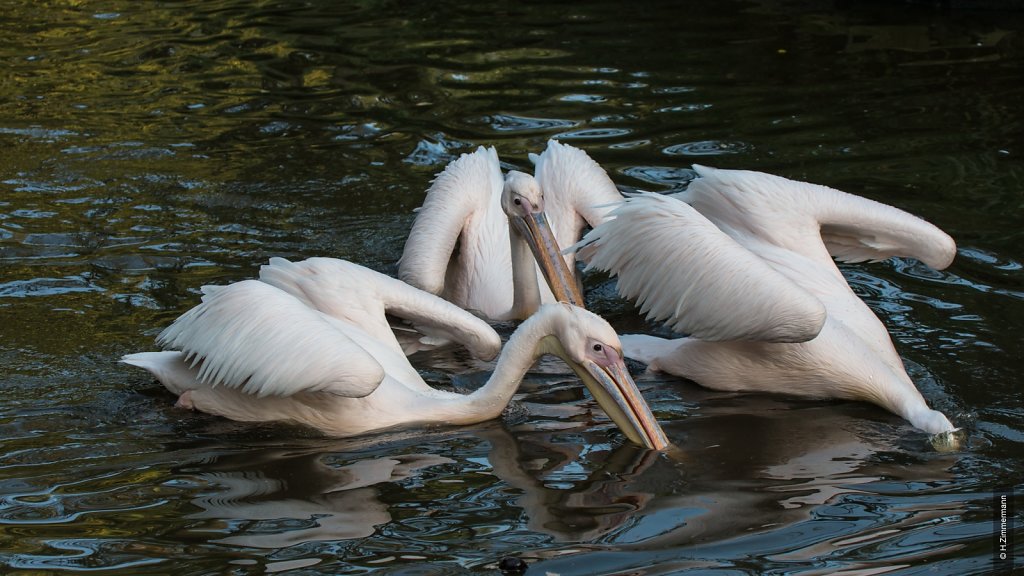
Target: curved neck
520	352
525	289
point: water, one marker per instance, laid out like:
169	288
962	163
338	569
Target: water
153	147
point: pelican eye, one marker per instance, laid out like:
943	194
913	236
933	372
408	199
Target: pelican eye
517	201
598	348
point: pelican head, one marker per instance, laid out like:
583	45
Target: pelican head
590	346
522	200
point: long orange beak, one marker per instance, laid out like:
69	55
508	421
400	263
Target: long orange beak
615	391
541	239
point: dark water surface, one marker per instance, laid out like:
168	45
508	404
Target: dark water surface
149	148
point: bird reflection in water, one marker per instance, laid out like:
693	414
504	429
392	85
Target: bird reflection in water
748	464
275	497
573	492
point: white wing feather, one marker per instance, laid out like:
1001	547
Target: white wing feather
577	190
683	269
343	290
360	296
853	229
263	341
468	184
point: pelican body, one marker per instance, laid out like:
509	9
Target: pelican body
461	247
309	343
742	262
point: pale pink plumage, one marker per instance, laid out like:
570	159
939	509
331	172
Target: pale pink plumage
459	245
742	261
310	344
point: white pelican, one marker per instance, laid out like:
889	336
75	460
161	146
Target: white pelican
310	344
459	245
743	263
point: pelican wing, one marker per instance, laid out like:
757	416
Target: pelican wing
438	318
683	269
466	185
360	296
853	229
338	288
573	183
263	341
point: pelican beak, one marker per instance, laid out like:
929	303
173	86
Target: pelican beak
617	394
541	239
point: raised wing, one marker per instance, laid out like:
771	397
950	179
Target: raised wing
468	184
360	296
577	191
853	229
263	341
338	288
682	269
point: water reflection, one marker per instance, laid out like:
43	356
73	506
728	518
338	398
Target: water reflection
759	485
275	498
576	493
770	468
279	497
730	475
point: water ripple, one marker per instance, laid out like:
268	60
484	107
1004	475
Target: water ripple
42	287
511	123
593	133
707	148
435	152
84	555
665	176
40	133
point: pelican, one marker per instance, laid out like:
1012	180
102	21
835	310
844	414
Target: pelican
743	262
459	245
310	343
